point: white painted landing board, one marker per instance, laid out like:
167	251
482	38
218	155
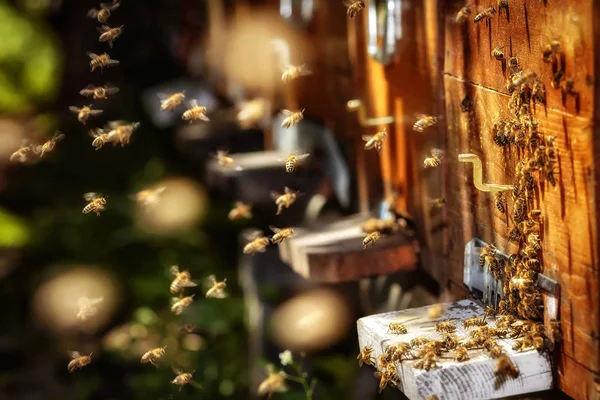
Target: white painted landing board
473	379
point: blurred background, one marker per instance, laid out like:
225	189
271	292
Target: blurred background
52	254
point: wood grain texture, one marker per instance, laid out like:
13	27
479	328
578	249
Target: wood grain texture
471	379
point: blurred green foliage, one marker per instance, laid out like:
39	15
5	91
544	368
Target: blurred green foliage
14	232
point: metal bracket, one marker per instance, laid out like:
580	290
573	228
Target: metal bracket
363	120
478	175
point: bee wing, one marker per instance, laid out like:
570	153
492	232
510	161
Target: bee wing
58	136
192	103
366	138
111	89
420	116
238	168
91	55
103	28
195	384
203	117
302	156
90	196
111	6
177	371
188	284
175	300
92	13
96	112
220	294
439	153
274	194
95	132
174	270
74	354
74	109
287	190
115	124
287	112
251	235
274	229
163	96
209	281
95	301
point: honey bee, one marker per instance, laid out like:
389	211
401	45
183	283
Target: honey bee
184	378
148	197
438	203
365	356
398	351
500	202
538	92
496	351
292	118
96	203
291	72
461	354
423	122
240	210
474	321
463	14
21	154
428	362
354	7
450	342
169	102
515	235
436	311
258	244
433	397
216	290
523	344
103	13
274	383
419	341
485	15
108	34
538	342
375	141
555	330
153	355
84	112
101	61
445	326
370	239
504	366
100	138
87	307
556	78
488	251
78	361
435	160
121	131
183	279
513	64
389	374
226	161
550	51
502	4
49	145
292	161
397	328
284	200
180	304
500	137
99	92
519	209
497	53
281	234
194	112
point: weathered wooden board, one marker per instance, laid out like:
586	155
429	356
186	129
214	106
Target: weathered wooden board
472	379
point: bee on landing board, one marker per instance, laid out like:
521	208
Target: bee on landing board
104	12
168	102
370	239
87	307
181	303
284	200
21	155
184	378
435	160
182	279
375	141
463	14
292	118
96	203
281	234
292	161
215	290
99	92
239	211
291	72
194	112
397	328
423	122
84	113
258	243
153	355
497	53
101	61
354	7
108	34
78	361
49	145
550	51
436	311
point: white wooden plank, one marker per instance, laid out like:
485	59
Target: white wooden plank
473	379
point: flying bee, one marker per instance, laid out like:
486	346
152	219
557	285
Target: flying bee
281	234
184	378
438	203
497	53
291	72
87	307
49	145
169	102
258	243
292	161
108	34
148	197
284	200
397	328
216	290
292	118
99	92
103	13
365	356
354	7
375	141
180	304
96	203
194	112
435	160
100	137
21	154
550	51
84	112
182	279
445	326
239	211
225	160
153	355
101	61
463	14
504	366
436	311
485	15
273	383
461	354
423	122
121	131
370	239
500	202
78	361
